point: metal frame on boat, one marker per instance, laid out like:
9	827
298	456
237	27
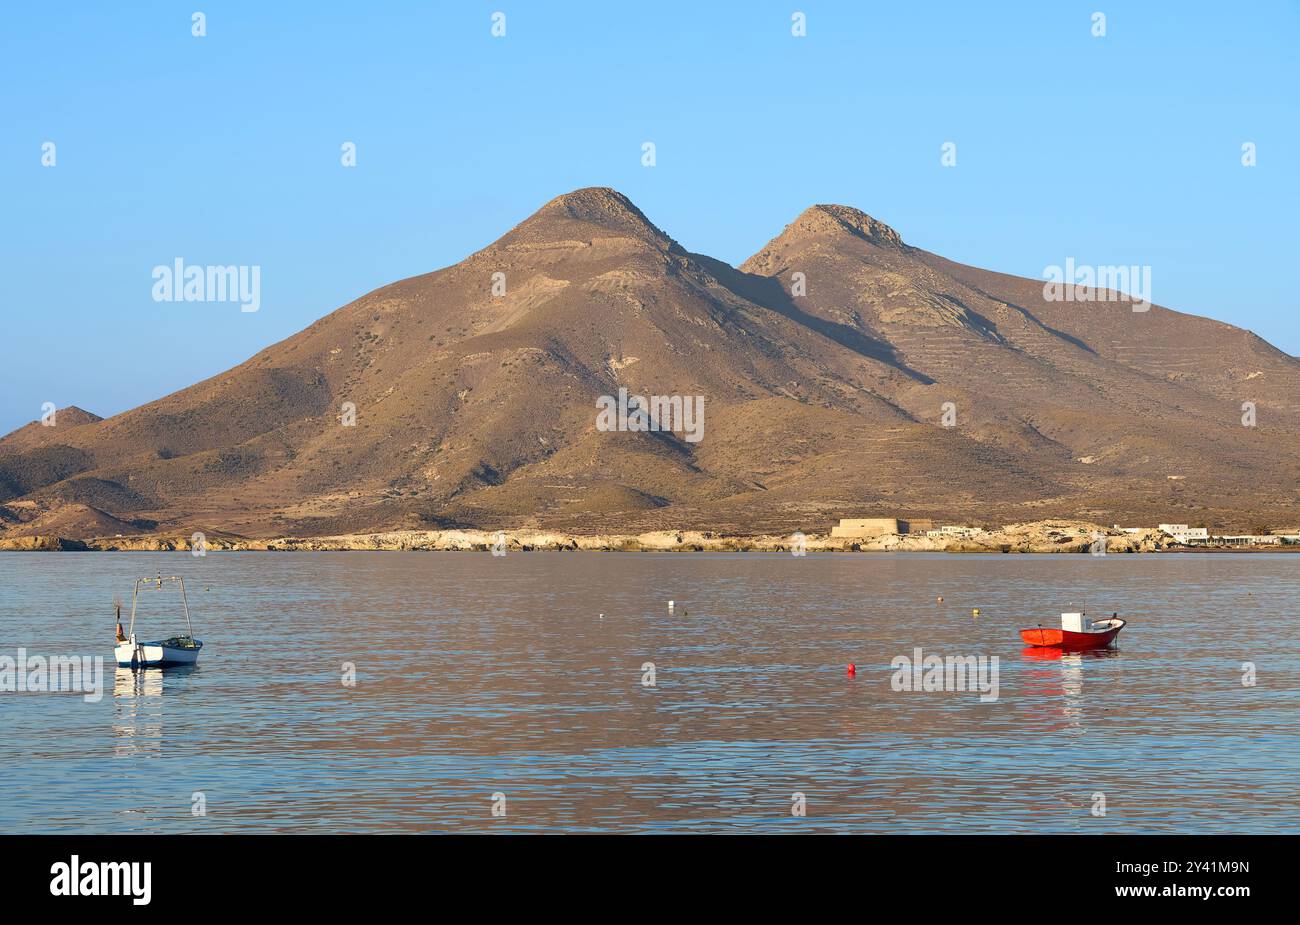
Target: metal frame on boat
178	650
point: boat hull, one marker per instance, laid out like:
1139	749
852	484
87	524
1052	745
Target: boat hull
1046	637
156	655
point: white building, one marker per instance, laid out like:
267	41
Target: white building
1247	539
1185	534
950	531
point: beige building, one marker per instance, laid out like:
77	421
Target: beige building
859	528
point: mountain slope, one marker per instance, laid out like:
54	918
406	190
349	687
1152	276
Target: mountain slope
474	393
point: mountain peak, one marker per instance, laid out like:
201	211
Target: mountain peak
825	223
77	415
594	203
599	206
828	218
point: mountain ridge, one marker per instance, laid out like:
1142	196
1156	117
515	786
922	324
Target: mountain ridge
473	388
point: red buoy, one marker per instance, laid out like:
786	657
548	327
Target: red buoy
853	670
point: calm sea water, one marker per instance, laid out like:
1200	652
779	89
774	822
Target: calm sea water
480	675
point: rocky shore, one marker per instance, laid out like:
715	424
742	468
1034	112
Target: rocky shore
1051	536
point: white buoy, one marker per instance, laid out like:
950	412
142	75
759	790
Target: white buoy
670	606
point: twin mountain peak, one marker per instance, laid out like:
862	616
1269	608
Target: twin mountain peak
843	373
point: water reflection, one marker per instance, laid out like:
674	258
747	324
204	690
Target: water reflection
1047	684
1049	654
137	725
144	682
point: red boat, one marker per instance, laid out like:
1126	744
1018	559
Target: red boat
1076	632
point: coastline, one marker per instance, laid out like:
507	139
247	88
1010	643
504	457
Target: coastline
1040	537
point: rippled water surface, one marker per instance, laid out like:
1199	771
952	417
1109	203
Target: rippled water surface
479	675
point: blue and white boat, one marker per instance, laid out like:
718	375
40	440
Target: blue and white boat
176	650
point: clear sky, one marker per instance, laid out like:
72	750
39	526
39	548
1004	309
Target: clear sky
225	149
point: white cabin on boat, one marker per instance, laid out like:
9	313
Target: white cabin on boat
1074	623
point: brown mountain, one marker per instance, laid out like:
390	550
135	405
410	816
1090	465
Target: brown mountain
475	408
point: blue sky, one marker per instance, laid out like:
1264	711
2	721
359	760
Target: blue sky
225	149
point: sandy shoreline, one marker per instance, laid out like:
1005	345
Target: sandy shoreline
1039	537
